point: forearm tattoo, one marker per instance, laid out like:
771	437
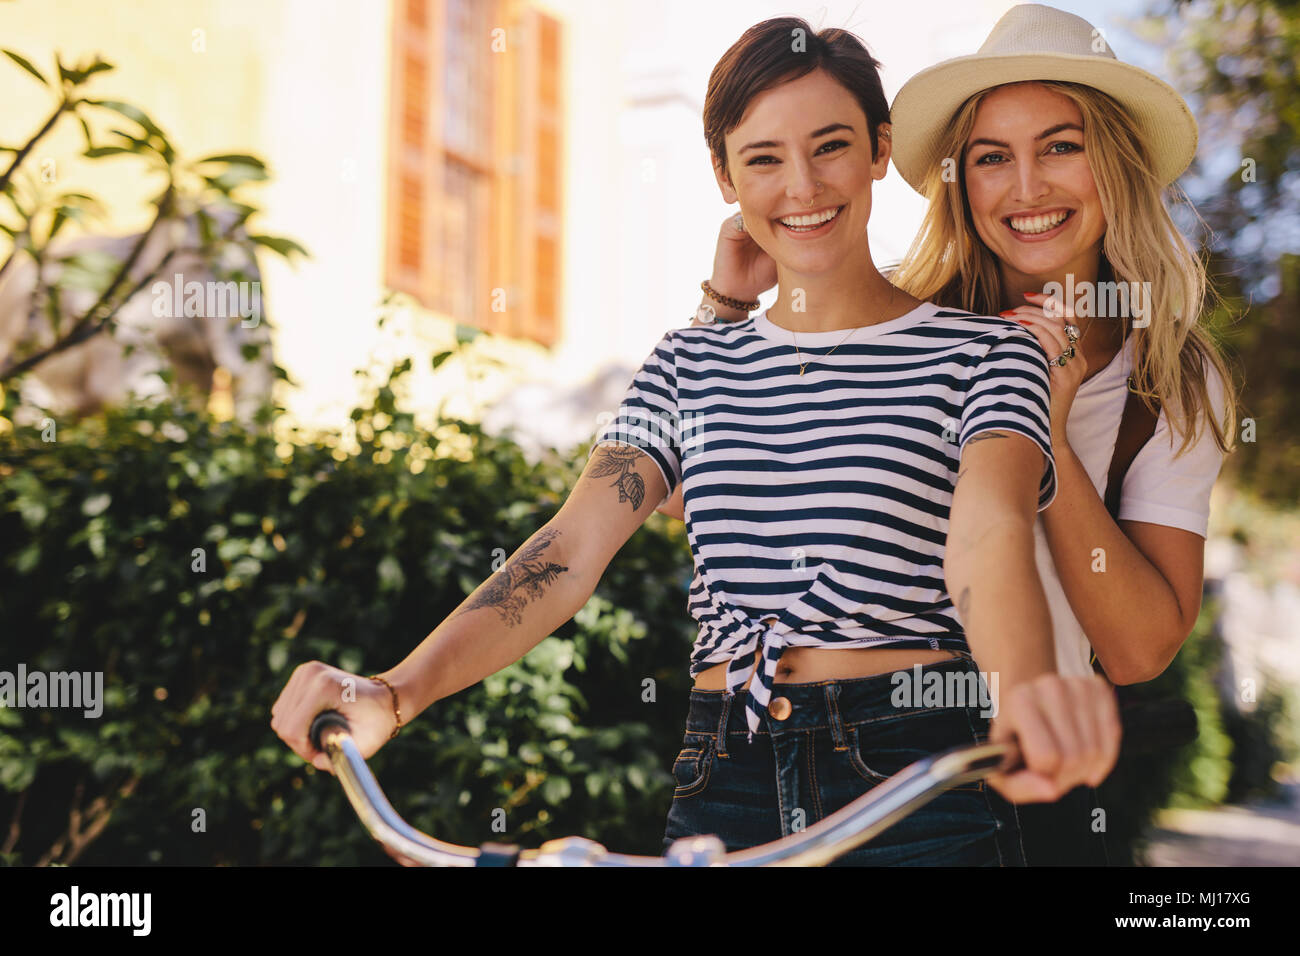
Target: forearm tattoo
620	462
524	578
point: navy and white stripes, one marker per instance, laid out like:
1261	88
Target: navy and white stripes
817	505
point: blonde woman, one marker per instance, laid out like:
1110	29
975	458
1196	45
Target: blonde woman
1044	159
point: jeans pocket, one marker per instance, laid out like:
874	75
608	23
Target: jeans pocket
880	749
693	765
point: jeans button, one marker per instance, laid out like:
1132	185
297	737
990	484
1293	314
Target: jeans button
780	708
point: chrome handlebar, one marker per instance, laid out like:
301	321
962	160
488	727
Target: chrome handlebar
1146	726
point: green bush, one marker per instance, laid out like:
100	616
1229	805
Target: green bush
1262	738
352	557
351	561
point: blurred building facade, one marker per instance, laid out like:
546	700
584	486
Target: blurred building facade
532	168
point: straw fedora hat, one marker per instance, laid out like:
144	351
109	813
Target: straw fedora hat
1036	42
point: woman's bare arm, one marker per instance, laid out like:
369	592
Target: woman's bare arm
544	583
1135	587
1067	727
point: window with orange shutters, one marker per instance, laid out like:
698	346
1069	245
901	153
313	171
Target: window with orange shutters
473	225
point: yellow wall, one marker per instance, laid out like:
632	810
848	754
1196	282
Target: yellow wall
303	85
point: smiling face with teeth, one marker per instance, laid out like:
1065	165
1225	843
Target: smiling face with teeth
1029	186
793	136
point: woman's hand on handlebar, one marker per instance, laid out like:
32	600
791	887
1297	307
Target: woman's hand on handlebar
316	686
741	269
1068	733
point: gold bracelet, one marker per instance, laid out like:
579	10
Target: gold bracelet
726	299
396	712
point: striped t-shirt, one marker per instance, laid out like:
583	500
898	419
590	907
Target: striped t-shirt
816	505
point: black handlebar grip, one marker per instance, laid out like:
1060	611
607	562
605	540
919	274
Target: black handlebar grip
324	720
1152	725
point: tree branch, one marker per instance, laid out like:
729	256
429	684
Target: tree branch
22	153
14	825
76	838
82	328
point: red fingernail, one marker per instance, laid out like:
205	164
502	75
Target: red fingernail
1023	321
1007	314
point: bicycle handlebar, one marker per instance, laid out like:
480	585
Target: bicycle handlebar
1146	726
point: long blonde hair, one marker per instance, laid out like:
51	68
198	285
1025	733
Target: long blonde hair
948	263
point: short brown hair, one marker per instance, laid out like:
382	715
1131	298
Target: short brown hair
766	56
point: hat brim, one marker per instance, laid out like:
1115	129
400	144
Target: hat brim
924	107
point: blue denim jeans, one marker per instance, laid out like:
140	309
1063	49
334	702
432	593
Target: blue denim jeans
841	739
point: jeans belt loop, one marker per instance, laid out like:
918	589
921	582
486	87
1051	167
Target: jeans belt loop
832	708
727	698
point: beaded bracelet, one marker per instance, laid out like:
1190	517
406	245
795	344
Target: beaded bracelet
396	713
726	299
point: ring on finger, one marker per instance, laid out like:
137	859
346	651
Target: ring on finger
1064	357
1072	332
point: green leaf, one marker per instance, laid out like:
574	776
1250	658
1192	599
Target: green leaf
133	113
278	656
391	576
280	245
78	75
88	270
234	176
243	159
138	142
95	152
89	203
26	65
556	789
90	140
440	358
242	210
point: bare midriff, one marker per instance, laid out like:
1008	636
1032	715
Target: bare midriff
803	665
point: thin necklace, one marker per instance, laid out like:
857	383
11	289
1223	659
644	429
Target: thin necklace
893	289
803	365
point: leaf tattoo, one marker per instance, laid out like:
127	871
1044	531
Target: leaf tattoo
522	579
621	462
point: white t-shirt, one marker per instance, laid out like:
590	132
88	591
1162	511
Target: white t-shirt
1159	488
